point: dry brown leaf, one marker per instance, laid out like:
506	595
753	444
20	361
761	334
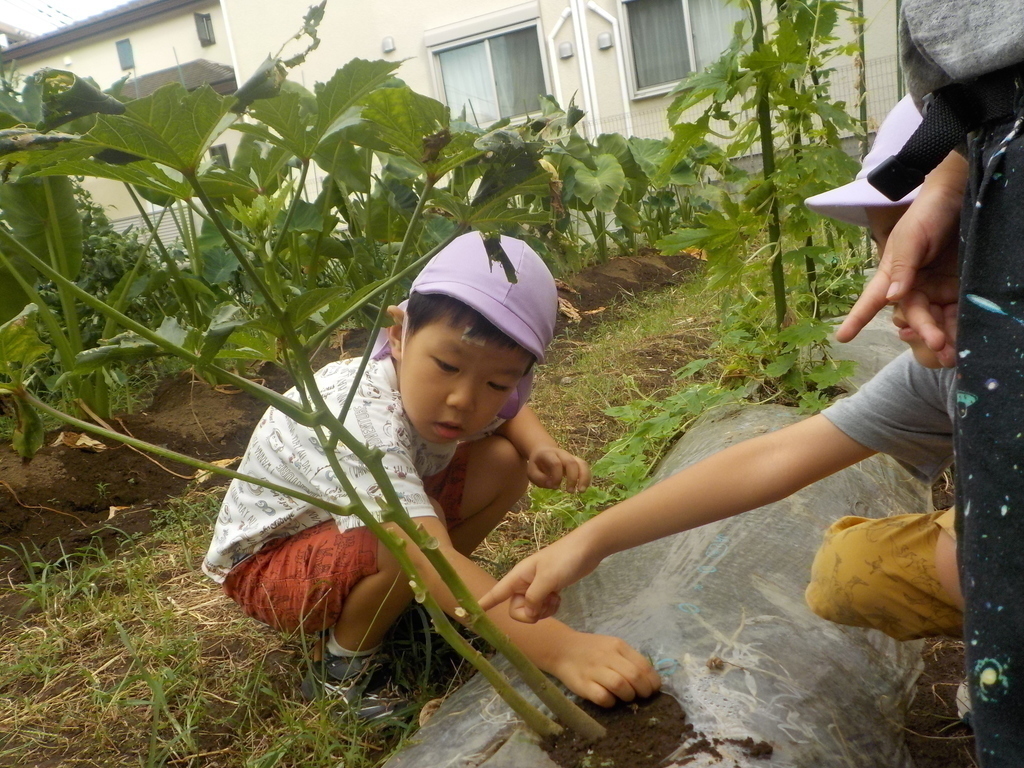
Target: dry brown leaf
696	253
594	311
79	441
564	286
429	709
113	511
227	389
567	309
202	475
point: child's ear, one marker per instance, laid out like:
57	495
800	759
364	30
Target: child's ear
397	316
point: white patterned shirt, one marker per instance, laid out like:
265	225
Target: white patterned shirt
289	454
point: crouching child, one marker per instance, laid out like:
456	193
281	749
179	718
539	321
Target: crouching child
444	397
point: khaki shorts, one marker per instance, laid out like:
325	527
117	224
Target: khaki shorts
881	574
301	582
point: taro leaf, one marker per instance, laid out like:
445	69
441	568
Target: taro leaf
28	434
171	126
67	97
126	347
227	319
172	331
20	346
497	254
648	154
8	120
305	218
398	120
602	187
25	206
616	145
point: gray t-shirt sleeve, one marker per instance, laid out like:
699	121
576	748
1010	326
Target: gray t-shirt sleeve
906	411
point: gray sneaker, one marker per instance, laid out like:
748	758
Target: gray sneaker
356	683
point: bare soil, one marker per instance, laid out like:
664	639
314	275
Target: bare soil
66	498
641	734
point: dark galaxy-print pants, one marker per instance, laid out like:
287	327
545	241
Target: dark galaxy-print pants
989	446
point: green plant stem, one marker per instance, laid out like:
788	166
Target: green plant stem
291	210
184	296
764	122
119	300
59	259
530	714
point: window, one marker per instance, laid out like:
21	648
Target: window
124	54
219	155
672	38
500	75
204	28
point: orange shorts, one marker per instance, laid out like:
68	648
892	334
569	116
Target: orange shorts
300	582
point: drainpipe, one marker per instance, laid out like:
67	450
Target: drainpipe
621	60
553	55
231	43
586	64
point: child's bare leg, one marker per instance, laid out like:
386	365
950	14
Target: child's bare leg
495	480
946	567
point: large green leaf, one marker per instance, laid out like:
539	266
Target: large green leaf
292	116
171	126
397	120
144	174
346	88
348	165
602	187
54	235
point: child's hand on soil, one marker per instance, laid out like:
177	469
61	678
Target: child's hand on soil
603	668
549	466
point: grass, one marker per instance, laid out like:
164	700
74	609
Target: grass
138	659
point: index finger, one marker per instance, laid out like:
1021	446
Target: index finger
871	301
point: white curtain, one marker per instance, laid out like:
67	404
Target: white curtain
518	71
468	83
657	30
713	23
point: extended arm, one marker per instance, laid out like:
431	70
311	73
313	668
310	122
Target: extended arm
742	477
597	667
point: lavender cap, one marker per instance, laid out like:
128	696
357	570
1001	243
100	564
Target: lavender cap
848	202
525	310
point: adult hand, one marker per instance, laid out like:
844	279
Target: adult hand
920	257
548	466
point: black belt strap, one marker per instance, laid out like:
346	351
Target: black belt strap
950	113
